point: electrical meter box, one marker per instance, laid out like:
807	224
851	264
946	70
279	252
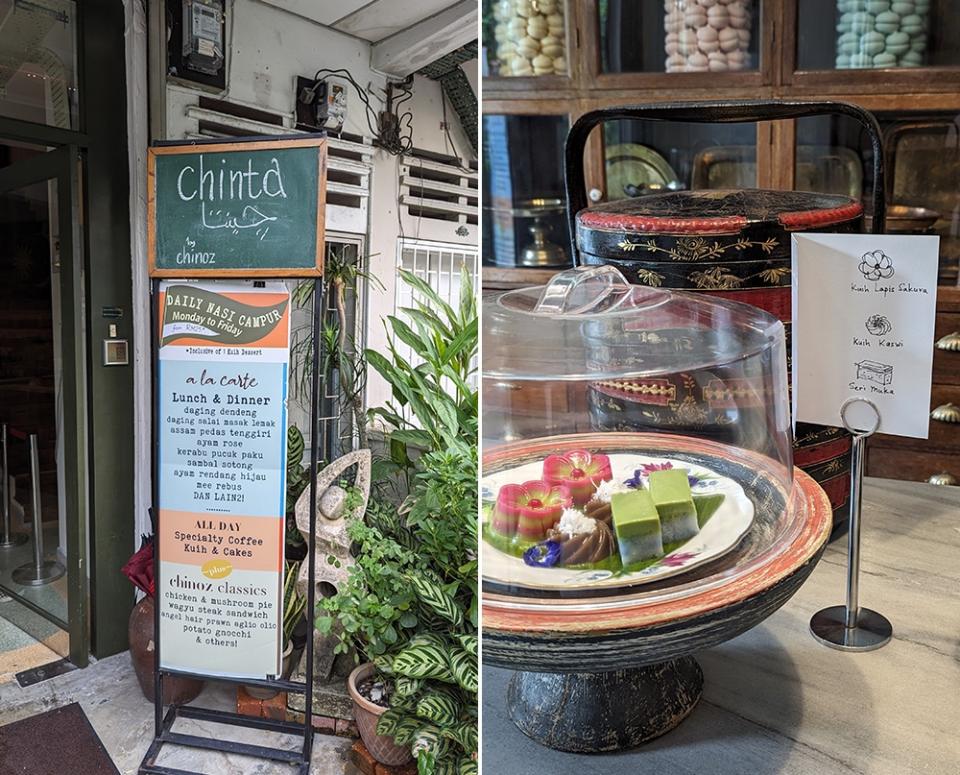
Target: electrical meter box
203	35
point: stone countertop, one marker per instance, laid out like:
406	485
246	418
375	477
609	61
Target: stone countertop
776	701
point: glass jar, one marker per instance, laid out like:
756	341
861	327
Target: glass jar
704	36
529	37
882	33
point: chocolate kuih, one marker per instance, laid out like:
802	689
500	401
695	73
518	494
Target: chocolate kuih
584	548
599	511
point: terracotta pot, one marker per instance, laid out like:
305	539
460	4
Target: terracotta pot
367	714
176	690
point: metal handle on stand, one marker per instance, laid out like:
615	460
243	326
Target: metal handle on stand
851	627
9	539
40	571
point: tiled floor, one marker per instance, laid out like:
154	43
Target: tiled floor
20	641
110	696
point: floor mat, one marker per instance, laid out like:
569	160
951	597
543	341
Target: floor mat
25	747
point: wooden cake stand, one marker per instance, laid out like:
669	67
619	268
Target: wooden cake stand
601	673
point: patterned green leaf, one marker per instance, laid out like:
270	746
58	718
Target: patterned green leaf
464	669
390	721
468	767
295	448
464	735
406	687
469	643
432	595
406	704
446	767
406	730
384	663
429	738
427	639
424	661
439	708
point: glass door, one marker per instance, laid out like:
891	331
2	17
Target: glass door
43	566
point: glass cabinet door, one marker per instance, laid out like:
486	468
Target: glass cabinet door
877	34
524	206
644	157
525	38
922	165
678	36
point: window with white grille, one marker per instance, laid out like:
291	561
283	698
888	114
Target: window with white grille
441	266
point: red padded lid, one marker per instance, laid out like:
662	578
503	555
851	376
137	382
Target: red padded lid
719	212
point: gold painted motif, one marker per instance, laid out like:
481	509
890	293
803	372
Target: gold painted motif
697	248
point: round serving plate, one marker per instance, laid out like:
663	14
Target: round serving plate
721	533
653	622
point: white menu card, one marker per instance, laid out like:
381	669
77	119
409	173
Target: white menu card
863	317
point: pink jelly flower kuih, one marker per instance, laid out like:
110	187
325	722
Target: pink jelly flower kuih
530	509
579	470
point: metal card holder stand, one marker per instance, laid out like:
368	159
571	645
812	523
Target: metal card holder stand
163	722
852	627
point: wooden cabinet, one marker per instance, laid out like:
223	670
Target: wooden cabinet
939	455
619	51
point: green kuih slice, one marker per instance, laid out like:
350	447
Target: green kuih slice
637	525
706	506
671	495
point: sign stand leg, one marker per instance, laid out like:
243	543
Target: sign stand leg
852	627
312	543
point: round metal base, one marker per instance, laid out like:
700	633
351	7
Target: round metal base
12	540
828	626
595	712
31	576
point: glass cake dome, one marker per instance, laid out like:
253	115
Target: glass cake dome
633	438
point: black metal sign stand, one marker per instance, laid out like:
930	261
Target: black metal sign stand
163	722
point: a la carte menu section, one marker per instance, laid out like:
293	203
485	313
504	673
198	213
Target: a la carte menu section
222	391
864	308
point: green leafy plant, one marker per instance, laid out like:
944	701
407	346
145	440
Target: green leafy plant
374	607
433	707
410	601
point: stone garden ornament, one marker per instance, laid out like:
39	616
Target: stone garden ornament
331	539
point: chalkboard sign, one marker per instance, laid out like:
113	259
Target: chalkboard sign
241	209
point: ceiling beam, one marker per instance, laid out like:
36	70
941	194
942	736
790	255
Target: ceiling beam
407	51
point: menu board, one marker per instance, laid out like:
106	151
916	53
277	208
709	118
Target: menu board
239	209
222	392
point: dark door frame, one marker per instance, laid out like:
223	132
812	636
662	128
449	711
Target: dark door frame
102	230
63	166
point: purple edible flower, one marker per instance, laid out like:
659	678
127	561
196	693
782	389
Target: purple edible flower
543	555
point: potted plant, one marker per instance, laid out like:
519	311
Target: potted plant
370	614
294	605
141	635
411	602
